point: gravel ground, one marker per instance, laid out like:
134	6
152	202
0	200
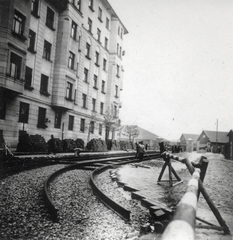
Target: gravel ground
23	214
81	215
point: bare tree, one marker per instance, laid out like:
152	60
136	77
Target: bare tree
111	121
131	131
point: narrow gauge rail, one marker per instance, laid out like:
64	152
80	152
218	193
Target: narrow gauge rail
99	165
10	165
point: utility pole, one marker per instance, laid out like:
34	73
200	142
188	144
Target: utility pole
217	135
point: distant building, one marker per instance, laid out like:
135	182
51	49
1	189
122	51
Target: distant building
229	146
186	139
147	137
60	65
212	141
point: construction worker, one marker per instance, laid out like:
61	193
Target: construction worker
141	149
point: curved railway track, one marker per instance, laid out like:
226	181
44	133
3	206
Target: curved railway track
97	164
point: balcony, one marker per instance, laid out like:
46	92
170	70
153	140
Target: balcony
12	84
62	103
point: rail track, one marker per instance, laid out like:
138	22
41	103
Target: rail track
97	164
10	165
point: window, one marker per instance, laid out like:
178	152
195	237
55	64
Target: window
100	129
34	7
101	108
115	111
28	77
97	58
90	4
47	50
3	108
107	23
88	48
116	91
106	43
69	89
93	104
42	118
73	30
103	86
79	5
15	66
120	52
118	70
18	23
82	125
57	120
104	64
89	25
23	112
86	75
98	35
71	123
32	39
100	14
50	18
117	48
79	43
44	84
71	60
84	97
119	30
95	81
92	126
121	33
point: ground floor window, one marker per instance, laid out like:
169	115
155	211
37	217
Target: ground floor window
71	123
100	129
82	125
57	121
23	112
2	108
92	126
41	118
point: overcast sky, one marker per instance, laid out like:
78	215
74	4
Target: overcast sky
178	65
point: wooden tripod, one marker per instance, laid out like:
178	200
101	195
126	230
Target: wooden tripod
171	170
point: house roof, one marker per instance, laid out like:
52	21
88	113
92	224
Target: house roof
213	135
189	135
143	134
230	132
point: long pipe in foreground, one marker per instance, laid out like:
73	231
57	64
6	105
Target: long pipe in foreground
182	225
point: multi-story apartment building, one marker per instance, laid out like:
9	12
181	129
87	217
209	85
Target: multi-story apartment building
60	67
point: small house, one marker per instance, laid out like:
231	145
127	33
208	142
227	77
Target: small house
187	140
213	141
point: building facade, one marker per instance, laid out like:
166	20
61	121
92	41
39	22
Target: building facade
186	139
213	141
60	67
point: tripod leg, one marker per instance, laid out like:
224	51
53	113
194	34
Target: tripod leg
176	175
162	171
170	172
